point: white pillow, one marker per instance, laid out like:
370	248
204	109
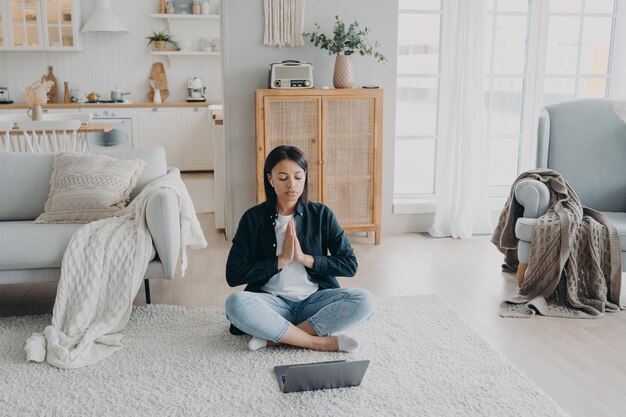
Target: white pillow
88	187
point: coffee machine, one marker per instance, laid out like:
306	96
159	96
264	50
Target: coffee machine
195	90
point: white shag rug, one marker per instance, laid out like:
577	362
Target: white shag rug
181	361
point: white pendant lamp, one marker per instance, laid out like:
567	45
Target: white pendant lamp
104	19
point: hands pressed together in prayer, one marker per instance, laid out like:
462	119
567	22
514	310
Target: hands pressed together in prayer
292	250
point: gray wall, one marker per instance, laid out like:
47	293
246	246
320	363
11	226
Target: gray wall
246	61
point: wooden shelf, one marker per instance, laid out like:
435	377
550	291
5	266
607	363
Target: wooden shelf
185	16
189	53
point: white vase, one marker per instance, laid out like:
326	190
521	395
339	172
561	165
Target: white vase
157	96
34	112
206	7
342	76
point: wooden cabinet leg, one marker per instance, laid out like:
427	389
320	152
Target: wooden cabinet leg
521	270
377	236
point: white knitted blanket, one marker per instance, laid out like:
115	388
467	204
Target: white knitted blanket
102	270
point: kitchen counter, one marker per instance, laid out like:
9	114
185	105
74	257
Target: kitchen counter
114	105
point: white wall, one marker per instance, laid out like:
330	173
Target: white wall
121	60
246	62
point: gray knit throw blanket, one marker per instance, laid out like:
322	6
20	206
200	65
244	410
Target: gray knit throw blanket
575	265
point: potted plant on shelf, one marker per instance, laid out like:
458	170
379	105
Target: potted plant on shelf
160	39
344	43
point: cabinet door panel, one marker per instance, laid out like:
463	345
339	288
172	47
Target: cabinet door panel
196	138
159	127
295	121
348	155
25	21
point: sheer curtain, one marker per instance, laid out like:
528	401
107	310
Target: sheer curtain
461	170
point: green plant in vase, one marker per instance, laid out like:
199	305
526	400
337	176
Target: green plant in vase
160	39
344	42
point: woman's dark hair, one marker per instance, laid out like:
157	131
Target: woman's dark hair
275	156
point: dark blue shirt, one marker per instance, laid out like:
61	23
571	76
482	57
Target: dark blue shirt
252	259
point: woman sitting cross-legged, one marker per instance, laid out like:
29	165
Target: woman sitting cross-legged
288	251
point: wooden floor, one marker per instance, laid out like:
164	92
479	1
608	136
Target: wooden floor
581	364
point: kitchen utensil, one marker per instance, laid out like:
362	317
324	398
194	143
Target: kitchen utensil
53	94
118	95
67	97
93	97
157	73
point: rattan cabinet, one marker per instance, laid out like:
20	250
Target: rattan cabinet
341	133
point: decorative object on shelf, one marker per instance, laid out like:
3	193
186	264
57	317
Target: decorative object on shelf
53	93
216	46
156	92
206	7
284	21
196	7
157	74
35	95
161	8
183	6
344	43
185	45
67	97
205	45
169	7
160	39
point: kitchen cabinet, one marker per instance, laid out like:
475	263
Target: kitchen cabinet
196	138
341	133
159	126
38	25
185	133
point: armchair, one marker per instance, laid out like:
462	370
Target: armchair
585	141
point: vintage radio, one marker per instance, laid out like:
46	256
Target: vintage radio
291	74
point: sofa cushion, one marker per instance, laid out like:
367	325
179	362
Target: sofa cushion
25	179
35	246
24	184
525	229
88	187
619	221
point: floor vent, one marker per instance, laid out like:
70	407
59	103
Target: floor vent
427	235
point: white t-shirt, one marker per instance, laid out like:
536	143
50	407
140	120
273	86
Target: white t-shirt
292	282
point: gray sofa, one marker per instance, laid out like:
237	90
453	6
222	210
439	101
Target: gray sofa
585	141
32	252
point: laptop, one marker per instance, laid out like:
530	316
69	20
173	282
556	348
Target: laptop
320	375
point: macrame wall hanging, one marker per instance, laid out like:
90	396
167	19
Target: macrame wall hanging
284	22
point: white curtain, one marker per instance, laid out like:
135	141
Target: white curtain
462	153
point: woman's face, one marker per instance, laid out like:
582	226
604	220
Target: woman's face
288	179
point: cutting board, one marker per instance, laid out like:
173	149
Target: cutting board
157	73
53	94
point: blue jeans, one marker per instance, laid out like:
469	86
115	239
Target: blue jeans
327	311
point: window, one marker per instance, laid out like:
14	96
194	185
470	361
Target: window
417	94
536	53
